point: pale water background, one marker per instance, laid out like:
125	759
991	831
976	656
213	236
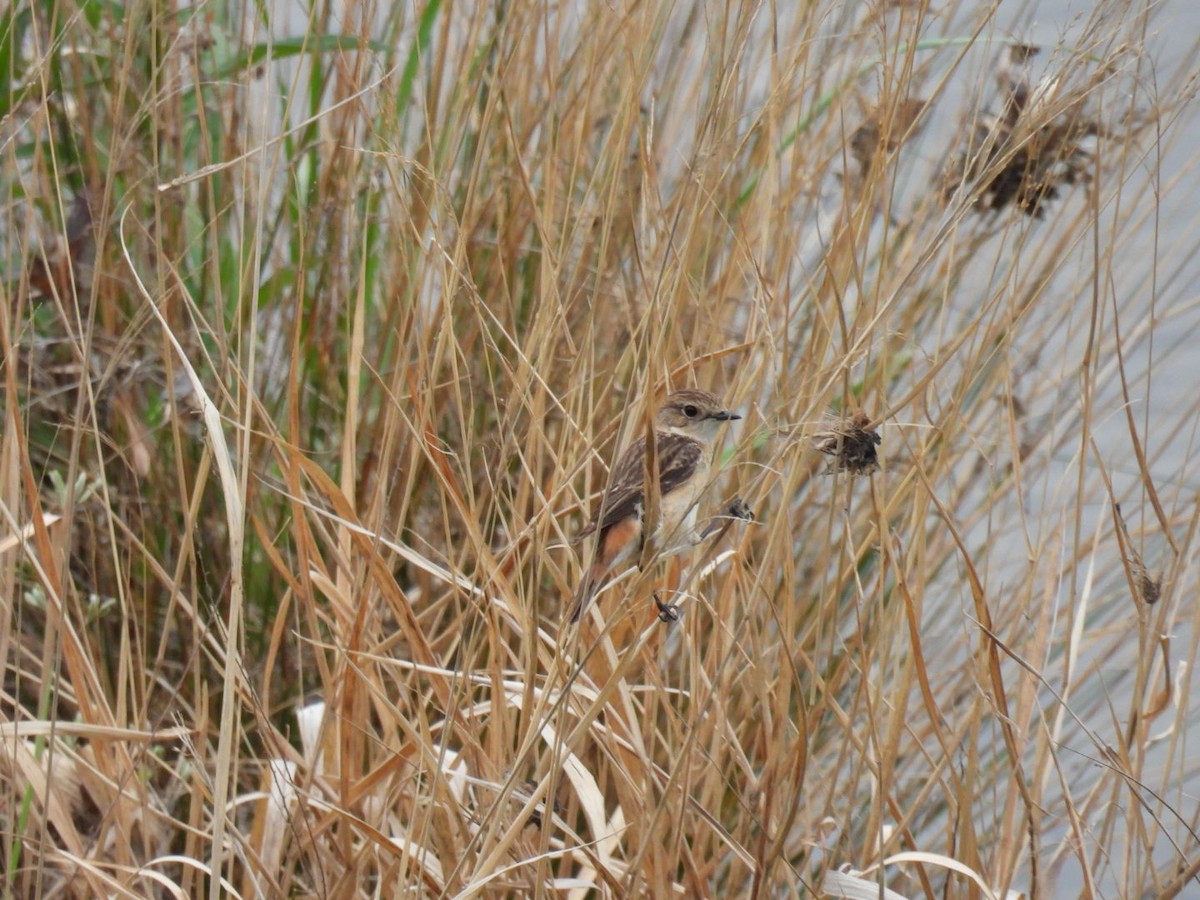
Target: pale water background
1157	278
1158	273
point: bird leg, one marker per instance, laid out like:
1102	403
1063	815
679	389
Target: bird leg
737	510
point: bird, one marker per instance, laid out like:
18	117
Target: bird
685	432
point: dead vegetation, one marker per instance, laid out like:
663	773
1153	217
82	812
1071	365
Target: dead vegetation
853	444
316	346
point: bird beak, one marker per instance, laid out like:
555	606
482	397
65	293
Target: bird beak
725	416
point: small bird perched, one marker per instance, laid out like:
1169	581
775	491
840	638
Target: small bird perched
685	432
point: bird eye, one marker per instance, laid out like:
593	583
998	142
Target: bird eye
691	411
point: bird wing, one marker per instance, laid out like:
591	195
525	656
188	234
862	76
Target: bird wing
678	457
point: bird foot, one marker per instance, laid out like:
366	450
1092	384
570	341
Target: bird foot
737	509
667	612
740	509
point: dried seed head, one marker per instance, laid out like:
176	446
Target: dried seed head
852	443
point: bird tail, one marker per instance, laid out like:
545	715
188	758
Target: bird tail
583	596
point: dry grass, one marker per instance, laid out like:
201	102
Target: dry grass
301	420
